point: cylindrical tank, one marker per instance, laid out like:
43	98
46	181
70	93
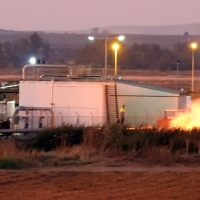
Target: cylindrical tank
10	108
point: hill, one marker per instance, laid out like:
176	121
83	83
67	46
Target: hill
193	29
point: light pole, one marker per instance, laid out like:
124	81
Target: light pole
120	38
115	47
193	47
177	64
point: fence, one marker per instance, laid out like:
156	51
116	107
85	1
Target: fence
90	120
147	119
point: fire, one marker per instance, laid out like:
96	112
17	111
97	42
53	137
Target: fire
189	119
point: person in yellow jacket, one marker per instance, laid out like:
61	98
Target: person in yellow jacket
122	112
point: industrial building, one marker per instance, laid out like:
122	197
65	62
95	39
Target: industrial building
47	100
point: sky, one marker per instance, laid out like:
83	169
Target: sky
74	15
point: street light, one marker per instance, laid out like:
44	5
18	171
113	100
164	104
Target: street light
193	47
115	47
120	38
177	64
32	60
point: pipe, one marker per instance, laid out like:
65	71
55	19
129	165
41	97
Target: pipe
44	66
54	76
47	118
24	108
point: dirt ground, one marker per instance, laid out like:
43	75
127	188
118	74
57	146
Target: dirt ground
102	182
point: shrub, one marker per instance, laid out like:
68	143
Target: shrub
94	137
51	138
14	163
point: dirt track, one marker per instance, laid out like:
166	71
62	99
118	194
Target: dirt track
101	182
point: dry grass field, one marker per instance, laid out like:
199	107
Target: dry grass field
111	178
117	177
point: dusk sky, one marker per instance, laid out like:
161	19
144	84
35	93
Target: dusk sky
71	15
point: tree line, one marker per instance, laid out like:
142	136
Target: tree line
144	56
15	54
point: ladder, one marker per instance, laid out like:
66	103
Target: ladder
112	107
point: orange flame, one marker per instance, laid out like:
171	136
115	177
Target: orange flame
189	119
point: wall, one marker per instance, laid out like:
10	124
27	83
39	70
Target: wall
145	105
73	102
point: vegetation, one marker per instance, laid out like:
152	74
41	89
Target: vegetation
69	145
16	54
75	48
116	137
14	163
143	56
49	139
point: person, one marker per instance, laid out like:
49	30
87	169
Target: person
122	112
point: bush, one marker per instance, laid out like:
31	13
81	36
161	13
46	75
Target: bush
14	163
117	137
51	138
94	137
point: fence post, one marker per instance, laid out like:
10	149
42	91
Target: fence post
61	118
134	118
77	121
147	117
92	118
